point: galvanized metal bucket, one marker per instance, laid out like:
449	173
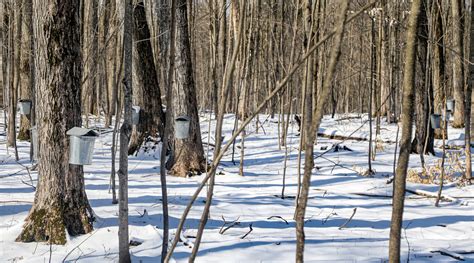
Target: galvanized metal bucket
181	127
435	121
135	114
81	145
450	105
34	142
24	106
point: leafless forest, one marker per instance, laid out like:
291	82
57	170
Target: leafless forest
149	71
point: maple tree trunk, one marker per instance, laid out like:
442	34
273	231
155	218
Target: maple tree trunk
60	201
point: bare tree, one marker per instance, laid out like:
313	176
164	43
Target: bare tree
187	155
407	122
152	118
60	201
313	127
458	77
125	132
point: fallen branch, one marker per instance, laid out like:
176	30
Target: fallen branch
431	195
279	217
231	224
348	220
251	229
445	252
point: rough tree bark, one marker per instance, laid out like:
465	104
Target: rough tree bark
407	120
187	156
125	132
458	77
60	200
152	118
424	91
25	65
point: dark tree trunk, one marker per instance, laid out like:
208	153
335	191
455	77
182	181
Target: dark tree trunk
152	118
25	67
424	91
188	154
60	200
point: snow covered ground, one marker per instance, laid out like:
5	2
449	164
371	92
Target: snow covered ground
253	200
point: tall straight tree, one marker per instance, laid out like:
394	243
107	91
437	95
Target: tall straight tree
60	201
407	122
152	118
125	132
187	155
313	127
469	113
423	142
458	77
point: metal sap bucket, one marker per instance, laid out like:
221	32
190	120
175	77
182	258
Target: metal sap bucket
34	142
181	127
450	105
81	145
135	114
435	121
24	106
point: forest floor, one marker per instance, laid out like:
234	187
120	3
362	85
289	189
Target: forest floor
253	200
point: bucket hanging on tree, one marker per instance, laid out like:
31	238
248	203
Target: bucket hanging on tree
435	121
81	145
181	127
24	106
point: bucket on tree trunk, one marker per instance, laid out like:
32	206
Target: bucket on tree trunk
450	105
435	121
181	127
135	114
81	145
34	142
24	106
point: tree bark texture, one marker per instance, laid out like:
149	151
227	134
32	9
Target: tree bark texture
60	200
152	118
407	122
187	155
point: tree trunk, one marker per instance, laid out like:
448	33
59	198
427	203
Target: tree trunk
407	120
125	132
315	121
468	114
438	64
25	67
152	118
458	77
60	200
424	92
187	155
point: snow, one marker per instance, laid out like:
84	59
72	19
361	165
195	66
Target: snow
254	200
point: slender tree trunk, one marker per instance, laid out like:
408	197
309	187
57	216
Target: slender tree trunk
468	115
125	132
407	120
313	127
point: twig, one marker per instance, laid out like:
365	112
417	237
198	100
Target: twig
76	247
251	229
445	252
279	217
348	220
406	237
231	224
